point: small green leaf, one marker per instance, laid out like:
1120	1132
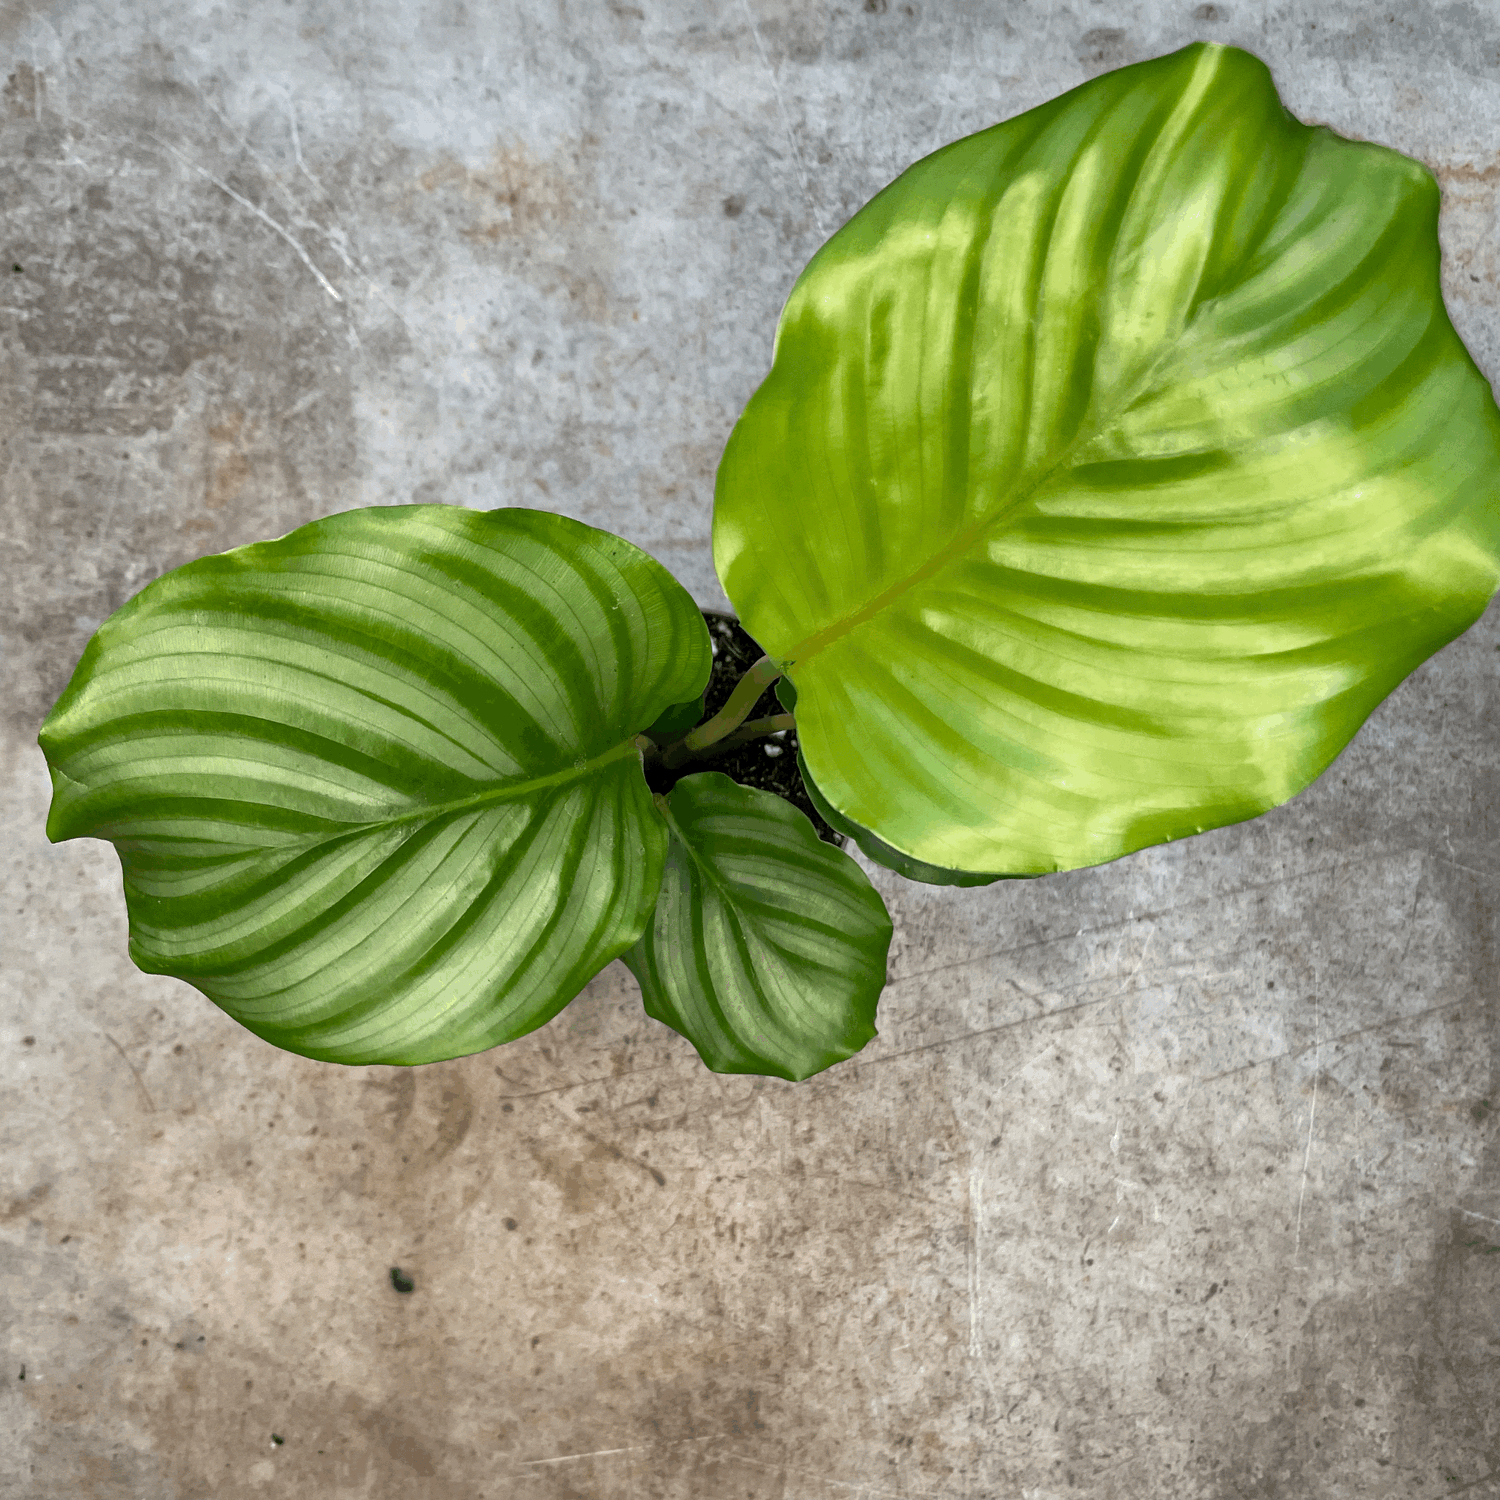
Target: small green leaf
374	785
767	949
1113	464
677	720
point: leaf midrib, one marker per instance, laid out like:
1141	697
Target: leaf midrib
1088	431
511	790
724	887
501	792
966	538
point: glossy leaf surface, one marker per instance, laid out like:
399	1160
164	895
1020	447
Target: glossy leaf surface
374	785
869	845
767	949
1114	463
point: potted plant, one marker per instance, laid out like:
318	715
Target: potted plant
1113	464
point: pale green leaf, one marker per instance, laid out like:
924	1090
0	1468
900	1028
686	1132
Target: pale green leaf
1114	463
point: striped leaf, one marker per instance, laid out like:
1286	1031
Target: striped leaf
767	950
374	786
1113	465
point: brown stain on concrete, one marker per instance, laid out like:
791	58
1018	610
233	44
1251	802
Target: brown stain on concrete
539	217
228	460
514	194
1455	173
26	1202
1471	269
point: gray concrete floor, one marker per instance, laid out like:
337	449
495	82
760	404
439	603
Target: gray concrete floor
1178	1178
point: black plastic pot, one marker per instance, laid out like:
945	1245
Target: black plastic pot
769	764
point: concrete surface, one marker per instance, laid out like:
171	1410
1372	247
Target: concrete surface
1179	1178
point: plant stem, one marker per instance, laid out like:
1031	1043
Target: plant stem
751	729
729	718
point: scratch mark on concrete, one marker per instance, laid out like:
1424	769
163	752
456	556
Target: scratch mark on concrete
984	1031
1483	1479
1333	1041
1312	1115
1140	962
259	213
786	123
581	1083
1213	897
976	1294
146	1093
1469	1213
302	167
573	1458
301	405
335	237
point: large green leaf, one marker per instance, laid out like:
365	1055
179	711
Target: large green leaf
374	786
1113	464
767	949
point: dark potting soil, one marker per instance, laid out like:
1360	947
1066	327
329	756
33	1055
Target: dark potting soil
769	764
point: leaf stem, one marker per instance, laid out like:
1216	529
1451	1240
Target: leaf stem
751	729
729	718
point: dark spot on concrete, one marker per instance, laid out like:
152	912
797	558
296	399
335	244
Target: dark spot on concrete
507	1109
28	1041
277	1439
401	1281
536	1339
22	1375
875	7
406	1449
734	206
19	1206
20	93
1102	49
17	269
1211	13
511	1224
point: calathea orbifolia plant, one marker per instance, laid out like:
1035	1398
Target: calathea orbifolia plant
1113	464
